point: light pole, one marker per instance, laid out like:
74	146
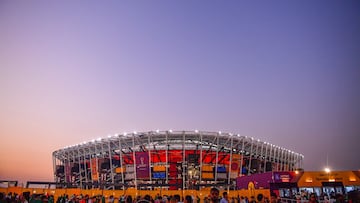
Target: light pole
327	170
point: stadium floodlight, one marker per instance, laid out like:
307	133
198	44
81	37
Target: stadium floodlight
157	131
196	131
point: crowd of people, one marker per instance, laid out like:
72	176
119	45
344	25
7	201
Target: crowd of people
213	197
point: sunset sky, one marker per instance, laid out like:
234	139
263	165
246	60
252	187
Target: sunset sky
284	72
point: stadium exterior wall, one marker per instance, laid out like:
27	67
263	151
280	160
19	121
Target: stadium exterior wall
168	159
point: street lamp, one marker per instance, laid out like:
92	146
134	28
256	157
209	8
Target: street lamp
327	170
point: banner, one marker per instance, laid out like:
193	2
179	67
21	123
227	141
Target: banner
94	172
235	164
142	165
282	176
68	167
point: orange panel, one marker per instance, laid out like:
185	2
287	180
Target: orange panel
119	170
207	168
159	168
207	175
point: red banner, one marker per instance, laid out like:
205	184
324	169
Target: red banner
94	171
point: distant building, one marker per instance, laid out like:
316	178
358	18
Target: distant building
291	183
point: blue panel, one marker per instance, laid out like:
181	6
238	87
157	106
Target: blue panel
221	169
160	175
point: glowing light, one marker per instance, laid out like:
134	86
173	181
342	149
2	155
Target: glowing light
309	180
327	170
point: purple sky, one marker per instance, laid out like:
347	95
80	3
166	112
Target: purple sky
285	72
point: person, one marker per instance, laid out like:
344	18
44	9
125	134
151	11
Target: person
224	199
111	199
22	199
188	199
260	198
173	199
178	198
214	195
129	199
313	199
339	198
273	198
252	199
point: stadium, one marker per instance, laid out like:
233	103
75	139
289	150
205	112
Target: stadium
172	160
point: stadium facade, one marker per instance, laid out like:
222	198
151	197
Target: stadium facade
168	159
